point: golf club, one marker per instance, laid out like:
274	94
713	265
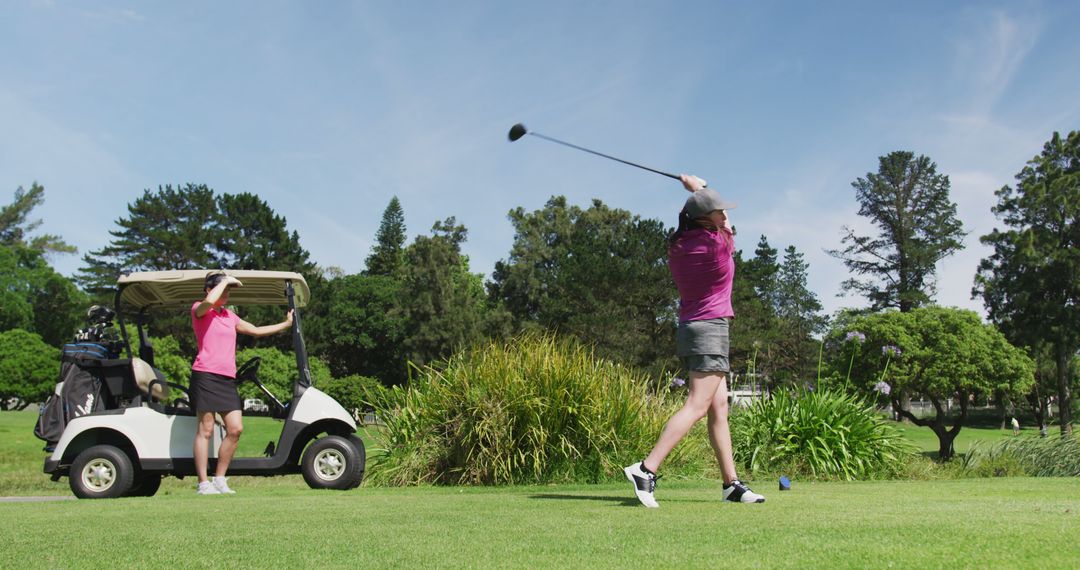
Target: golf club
517	131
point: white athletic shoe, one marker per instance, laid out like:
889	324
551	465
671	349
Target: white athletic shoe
207	488
644	484
737	492
222	487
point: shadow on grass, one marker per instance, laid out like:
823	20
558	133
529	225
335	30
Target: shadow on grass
622	501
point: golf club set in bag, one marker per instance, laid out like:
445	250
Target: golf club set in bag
89	376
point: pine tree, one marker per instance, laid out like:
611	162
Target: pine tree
917	227
387	255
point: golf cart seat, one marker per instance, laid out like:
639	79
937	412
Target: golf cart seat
150	380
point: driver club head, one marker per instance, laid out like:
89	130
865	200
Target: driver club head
516	132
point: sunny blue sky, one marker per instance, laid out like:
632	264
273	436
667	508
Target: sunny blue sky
328	109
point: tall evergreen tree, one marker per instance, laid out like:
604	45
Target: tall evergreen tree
909	203
15	229
173	228
1030	285
191	227
386	256
442	304
799	313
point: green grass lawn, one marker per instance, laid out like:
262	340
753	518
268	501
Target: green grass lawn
924	438
956	523
279	522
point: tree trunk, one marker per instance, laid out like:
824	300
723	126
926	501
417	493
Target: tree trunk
1038	407
905	407
1064	395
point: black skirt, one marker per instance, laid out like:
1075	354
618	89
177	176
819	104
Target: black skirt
211	392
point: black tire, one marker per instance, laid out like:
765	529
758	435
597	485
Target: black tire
333	462
146	485
101	472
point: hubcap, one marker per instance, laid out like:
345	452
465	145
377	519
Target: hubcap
98	475
329	464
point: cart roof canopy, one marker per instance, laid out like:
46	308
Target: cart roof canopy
182	288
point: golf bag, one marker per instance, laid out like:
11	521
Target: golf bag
78	390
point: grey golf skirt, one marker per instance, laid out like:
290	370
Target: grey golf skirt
703	345
211	392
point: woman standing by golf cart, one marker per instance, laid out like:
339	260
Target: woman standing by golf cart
213	386
700	257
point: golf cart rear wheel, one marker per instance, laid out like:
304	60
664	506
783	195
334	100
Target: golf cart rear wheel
146	485
101	472
333	462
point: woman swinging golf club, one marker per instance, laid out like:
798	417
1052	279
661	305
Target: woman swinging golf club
213	386
701	262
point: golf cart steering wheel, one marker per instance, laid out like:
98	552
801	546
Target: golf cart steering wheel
248	370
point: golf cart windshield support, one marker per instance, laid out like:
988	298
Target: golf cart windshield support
120	322
303	382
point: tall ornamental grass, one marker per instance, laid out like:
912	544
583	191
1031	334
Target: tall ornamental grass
1037	456
536	409
824	434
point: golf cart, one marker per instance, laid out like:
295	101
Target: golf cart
128	434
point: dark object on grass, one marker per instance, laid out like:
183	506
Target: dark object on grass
785	483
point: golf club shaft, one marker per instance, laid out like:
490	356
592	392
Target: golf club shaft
668	174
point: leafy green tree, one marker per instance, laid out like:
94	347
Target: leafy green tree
28	369
909	203
386	256
277	371
441	303
358	330
1030	285
946	355
599	274
15	229
36	298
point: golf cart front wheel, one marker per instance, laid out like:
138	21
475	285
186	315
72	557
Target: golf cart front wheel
333	462
101	472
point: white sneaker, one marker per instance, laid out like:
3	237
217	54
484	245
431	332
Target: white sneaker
207	488
737	492
644	484
222	487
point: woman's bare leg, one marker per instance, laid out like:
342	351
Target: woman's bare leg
204	430
703	386
234	426
720	432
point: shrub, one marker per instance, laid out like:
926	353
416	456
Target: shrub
355	392
1038	456
533	410
825	434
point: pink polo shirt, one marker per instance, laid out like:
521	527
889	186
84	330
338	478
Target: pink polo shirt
703	267
215	333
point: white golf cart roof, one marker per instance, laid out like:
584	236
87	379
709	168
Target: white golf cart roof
181	288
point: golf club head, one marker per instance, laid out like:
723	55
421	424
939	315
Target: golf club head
516	132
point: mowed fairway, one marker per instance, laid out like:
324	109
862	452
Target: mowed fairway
279	522
959	523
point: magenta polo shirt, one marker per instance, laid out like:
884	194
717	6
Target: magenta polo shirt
216	334
703	266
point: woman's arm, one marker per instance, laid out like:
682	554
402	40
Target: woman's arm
214	295
249	329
